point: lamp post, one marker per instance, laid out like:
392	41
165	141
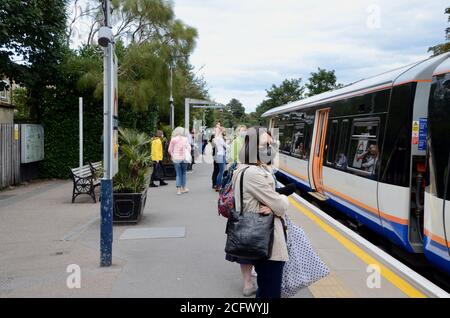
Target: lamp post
110	135
172	111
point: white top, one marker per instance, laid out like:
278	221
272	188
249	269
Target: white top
220	146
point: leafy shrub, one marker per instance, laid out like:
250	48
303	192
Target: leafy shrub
134	161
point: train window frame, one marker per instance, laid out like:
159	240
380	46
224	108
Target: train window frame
298	126
342	145
334	125
374	121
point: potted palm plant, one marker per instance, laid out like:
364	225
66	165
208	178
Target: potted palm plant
132	180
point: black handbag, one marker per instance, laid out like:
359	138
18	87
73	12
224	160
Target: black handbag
158	171
249	234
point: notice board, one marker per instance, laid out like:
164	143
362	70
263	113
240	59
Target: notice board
32	143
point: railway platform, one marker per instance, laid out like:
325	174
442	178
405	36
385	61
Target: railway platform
176	251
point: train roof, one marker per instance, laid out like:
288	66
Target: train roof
443	68
419	71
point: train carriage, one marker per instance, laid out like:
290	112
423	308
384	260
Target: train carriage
363	149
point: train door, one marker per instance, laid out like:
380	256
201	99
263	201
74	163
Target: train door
317	153
446	208
437	200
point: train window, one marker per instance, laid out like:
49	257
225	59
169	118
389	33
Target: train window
308	139
341	157
285	134
298	146
396	160
332	142
364	152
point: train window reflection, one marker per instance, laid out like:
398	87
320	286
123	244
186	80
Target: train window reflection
341	157
285	134
298	146
364	152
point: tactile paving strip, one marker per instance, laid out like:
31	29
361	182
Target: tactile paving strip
330	287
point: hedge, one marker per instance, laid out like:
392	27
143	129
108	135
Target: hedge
60	122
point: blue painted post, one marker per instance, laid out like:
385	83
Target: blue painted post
106	229
109	137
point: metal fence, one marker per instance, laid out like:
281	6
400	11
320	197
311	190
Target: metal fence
9	155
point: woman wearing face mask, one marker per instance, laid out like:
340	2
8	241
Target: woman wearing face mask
260	196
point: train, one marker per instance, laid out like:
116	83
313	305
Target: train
378	151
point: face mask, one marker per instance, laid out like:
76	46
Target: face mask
242	133
266	154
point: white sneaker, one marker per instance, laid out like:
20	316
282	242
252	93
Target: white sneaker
247	292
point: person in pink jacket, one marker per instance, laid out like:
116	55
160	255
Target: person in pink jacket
180	152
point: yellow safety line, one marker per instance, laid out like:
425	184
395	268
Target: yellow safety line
397	281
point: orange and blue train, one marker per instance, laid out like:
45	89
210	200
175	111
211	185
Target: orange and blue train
378	150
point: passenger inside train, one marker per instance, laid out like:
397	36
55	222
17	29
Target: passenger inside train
369	159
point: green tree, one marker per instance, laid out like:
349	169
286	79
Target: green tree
321	81
149	39
444	47
225	116
288	91
209	118
32	45
20	101
237	109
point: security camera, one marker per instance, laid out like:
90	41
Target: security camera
105	36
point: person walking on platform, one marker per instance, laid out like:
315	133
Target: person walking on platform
220	155
260	196
216	166
180	152
157	157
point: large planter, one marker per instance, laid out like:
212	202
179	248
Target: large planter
129	207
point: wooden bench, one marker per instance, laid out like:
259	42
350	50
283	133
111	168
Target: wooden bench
85	180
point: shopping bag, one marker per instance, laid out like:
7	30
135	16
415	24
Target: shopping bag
304	266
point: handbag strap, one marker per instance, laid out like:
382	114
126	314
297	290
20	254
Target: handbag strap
241	190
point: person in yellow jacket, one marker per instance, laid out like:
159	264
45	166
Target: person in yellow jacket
157	157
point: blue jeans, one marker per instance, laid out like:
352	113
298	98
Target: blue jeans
269	278
180	169
221	163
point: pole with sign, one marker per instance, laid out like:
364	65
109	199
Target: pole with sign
80	106
110	136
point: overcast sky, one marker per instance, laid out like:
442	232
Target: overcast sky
245	46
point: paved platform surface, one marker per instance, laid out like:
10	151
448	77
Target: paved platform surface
42	233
